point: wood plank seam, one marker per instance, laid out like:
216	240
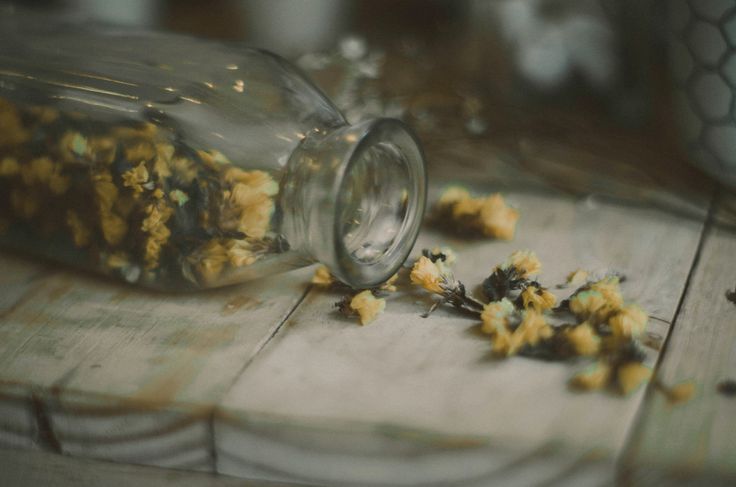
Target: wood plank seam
622	475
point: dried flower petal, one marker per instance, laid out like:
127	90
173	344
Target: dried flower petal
367	306
426	274
631	376
593	378
525	262
583	339
322	277
498	220
538	299
577	277
495	316
629	322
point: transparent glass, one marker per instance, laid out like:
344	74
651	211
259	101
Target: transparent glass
179	163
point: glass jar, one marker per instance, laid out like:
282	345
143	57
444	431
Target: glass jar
180	163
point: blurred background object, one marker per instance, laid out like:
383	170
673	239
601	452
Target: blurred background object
573	95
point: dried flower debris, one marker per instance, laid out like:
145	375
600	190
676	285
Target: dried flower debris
727	387
521	317
130	198
488	216
678	393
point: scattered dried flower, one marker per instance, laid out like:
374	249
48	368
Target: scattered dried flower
629	322
577	278
585	342
322	277
367	306
631	375
593	378
489	216
677	394
537	298
426	274
495	316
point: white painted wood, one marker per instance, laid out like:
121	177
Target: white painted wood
411	401
110	371
694	443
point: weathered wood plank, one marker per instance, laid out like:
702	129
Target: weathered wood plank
26	468
694	443
408	400
90	367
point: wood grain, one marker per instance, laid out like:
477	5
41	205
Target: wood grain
93	368
411	401
695	442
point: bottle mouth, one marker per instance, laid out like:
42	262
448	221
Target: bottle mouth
354	199
380	203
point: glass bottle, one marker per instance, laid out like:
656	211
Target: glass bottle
180	163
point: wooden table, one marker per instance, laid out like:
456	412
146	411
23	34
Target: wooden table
266	381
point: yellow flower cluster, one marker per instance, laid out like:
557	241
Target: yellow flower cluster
251	201
157	214
538	299
532	329
488	215
597	301
322	277
495	316
367	306
428	275
135	178
525	262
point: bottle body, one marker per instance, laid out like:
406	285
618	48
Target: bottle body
180	163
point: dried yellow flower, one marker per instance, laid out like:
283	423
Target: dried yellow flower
629	322
38	170
538	299
322	277
531	331
117	260
525	262
240	253
426	274
496	219
577	277
452	195
9	167
81	234
113	227
610	290
11	125
631	376
390	284
209	260
135	178
495	316
183	169
106	192
678	393
583	339
140	152
155	225
593	378
488	215
367	306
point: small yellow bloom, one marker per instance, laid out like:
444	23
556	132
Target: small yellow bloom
9	166
631	376
593	305
140	152
538	299
531	331
80	232
679	393
322	277
367	306
452	195
525	262
426	274
577	278
240	252
593	378
209	260
629	322
609	288
584	340
113	227
390	284
136	177
495	316
496	219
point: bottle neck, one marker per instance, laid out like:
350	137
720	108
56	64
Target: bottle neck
354	199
